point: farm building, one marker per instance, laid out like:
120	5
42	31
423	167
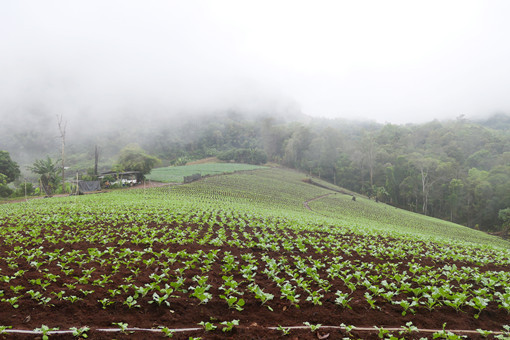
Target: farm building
127	178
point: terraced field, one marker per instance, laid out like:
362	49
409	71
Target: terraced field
240	256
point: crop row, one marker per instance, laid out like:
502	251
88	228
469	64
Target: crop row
134	261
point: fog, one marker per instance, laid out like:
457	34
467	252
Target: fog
391	61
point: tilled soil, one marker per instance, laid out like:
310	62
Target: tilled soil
185	311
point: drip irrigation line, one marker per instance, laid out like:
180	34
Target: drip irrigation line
183	330
374	329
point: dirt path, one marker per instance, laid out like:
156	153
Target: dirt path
305	204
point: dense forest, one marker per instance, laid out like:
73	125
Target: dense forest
456	170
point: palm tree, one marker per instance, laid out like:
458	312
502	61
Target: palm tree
48	172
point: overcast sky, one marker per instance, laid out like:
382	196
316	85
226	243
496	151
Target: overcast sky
390	61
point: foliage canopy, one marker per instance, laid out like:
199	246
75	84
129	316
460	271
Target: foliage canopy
134	158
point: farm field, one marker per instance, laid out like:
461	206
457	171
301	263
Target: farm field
176	174
230	256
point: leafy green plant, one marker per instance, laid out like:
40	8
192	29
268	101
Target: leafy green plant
381	332
131	302
479	303
167	332
348	328
444	334
234	302
80	332
409	328
3	328
228	325
312	327
342	299
45	330
105	302
484	333
123	326
284	330
207	326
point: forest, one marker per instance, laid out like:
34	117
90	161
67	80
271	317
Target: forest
456	170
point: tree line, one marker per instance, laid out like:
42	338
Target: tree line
457	170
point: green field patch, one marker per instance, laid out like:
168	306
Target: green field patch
176	174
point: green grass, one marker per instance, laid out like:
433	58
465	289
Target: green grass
176	174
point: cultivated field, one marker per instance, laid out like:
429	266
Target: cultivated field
242	256
176	174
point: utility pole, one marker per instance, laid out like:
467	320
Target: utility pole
62	129
96	157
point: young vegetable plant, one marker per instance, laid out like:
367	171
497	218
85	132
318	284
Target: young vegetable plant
479	303
131	302
382	332
409	328
123	326
207	326
3	328
13	301
234	302
259	294
484	333
406	305
444	334
160	299
371	301
80	332
312	327
167	331
105	303
228	325
505	333
342	299
45	330
284	330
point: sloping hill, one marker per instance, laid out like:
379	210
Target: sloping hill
279	192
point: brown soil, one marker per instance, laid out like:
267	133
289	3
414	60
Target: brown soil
186	312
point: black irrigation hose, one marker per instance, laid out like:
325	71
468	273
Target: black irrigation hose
176	330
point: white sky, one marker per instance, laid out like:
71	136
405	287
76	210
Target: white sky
391	61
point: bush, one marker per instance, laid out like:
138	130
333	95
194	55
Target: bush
20	190
5	191
134	158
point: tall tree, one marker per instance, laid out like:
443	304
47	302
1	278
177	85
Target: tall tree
9	171
8	167
134	158
455	193
369	150
296	146
428	168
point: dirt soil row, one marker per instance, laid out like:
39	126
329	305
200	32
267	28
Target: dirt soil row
185	311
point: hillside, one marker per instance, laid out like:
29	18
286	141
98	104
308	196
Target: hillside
250	250
282	191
